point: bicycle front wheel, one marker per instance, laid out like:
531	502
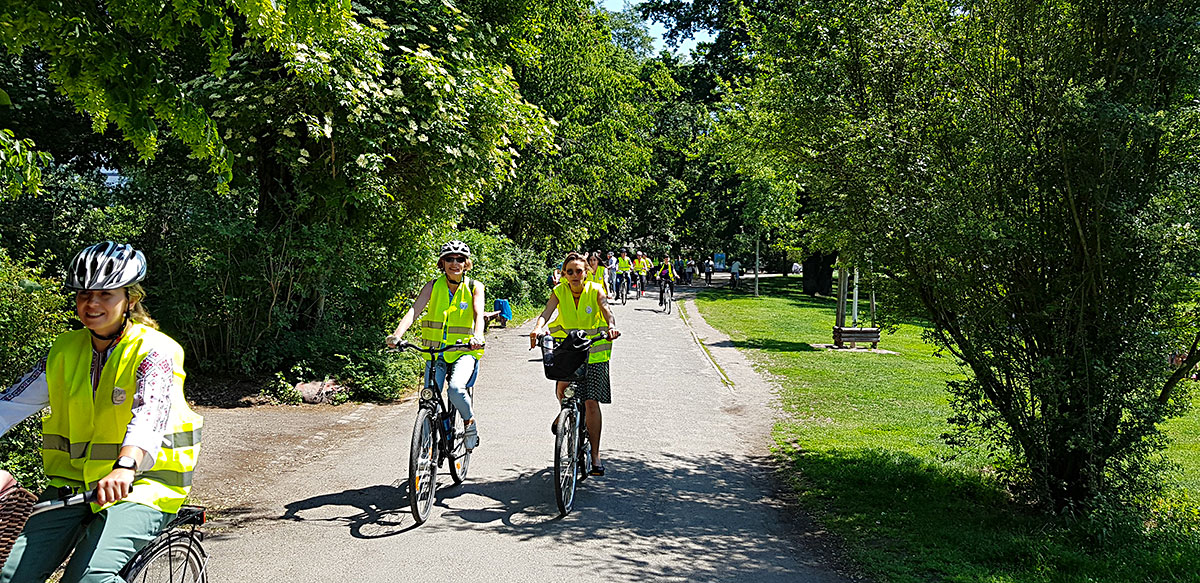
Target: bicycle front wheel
566	449
460	458
174	557
422	466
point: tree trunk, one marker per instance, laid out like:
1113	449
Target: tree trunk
818	274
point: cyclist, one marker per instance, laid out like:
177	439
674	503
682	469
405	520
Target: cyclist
597	273
624	271
118	424
642	266
454	314
581	305
665	272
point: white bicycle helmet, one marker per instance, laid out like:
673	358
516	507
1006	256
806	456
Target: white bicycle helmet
106	265
455	248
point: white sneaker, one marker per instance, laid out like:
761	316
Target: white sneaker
470	437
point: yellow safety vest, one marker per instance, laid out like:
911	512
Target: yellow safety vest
670	269
643	265
623	264
448	320
82	435
586	316
597	275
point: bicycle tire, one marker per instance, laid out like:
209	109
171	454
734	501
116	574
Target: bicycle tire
566	450
174	557
670	301
625	292
422	466
460	458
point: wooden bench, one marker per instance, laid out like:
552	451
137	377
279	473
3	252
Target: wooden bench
846	334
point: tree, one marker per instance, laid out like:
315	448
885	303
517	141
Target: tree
1017	172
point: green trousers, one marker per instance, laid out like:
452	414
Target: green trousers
103	542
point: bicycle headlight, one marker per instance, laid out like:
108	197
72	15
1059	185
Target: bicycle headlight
569	391
426	394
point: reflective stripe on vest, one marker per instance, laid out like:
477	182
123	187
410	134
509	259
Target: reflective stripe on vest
448	320
623	264
82	435
586	317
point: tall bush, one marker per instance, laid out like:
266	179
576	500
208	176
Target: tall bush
32	312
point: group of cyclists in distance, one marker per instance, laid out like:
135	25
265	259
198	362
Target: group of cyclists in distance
119	425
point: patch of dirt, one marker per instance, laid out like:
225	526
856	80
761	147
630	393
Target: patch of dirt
226	394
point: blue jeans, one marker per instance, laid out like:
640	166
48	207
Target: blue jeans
462	377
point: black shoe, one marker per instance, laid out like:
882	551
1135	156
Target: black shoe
596	471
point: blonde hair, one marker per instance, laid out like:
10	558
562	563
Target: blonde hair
137	308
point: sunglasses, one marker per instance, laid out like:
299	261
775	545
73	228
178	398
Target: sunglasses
573	271
455	259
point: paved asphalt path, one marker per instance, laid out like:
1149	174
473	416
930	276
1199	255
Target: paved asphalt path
307	494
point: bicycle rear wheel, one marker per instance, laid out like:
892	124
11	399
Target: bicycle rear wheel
173	557
625	292
460	458
422	466
670	300
566	449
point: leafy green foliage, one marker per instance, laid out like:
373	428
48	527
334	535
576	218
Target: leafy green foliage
1014	171
113	61
31	316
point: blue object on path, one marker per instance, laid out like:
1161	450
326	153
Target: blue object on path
502	307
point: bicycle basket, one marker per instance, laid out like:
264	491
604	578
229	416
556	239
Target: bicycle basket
564	362
15	505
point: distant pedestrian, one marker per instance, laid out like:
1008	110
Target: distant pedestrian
735	271
554	277
708	271
611	271
795	269
689	269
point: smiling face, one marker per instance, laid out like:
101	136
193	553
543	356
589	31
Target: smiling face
102	311
454	266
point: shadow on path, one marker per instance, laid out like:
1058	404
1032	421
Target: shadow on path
683	517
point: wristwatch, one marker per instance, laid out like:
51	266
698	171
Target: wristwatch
125	463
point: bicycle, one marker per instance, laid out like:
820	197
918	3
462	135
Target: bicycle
175	555
623	287
572	446
438	436
666	298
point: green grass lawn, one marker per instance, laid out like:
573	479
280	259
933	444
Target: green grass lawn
861	440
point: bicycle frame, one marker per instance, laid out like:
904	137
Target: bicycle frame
183	526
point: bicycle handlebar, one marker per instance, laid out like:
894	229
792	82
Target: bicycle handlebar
402	346
73	500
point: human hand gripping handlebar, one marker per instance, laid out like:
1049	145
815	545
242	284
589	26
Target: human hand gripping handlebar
536	336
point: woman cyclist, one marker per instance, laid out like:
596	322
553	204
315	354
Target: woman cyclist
665	272
583	305
597	273
455	315
118	424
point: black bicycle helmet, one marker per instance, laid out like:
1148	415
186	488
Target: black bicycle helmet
455	248
106	265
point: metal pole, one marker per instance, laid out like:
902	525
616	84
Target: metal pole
855	296
841	304
756	265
